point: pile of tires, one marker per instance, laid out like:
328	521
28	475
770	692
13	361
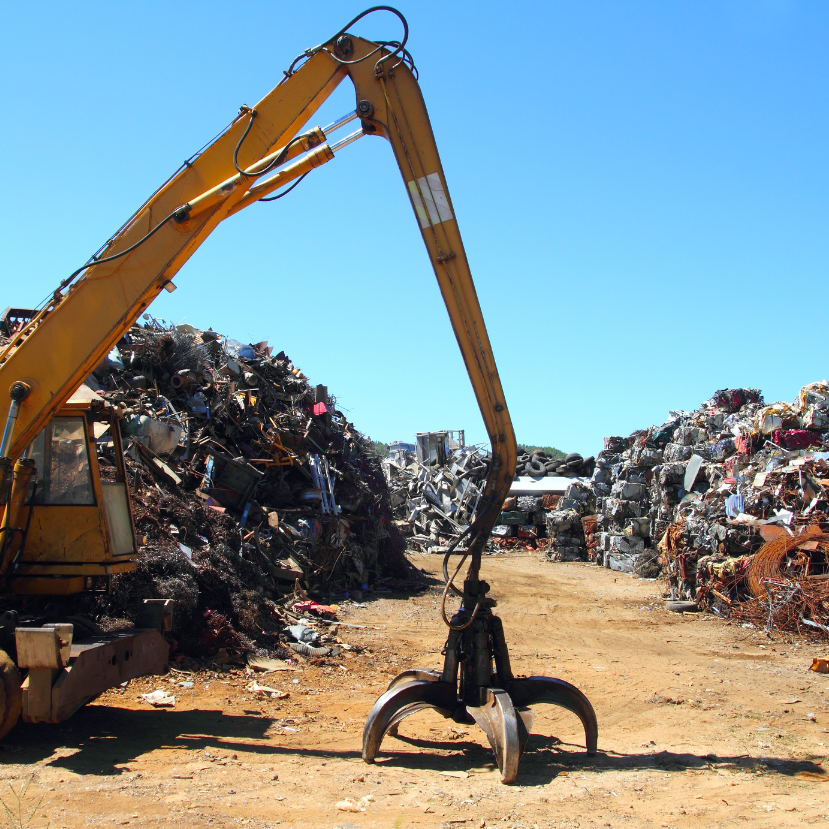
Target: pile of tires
540	465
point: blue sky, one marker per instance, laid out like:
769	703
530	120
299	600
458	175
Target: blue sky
642	190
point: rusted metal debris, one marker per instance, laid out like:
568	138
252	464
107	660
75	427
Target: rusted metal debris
250	490
729	503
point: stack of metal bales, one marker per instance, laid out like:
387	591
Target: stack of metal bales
564	523
623	517
641	481
522	517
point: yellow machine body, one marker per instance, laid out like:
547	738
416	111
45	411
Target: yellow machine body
78	527
54	352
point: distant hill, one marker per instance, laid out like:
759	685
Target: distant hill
550	451
380	448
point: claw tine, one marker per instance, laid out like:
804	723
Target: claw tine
537	689
505	730
398	702
419	674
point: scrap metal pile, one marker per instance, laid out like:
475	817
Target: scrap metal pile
565	523
551	522
521	524
435	498
436	489
248	486
731	502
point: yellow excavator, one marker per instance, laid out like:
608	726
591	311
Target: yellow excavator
66	530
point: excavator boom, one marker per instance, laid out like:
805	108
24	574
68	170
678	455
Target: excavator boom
50	356
83	320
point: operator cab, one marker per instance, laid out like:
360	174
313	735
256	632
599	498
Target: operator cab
77	516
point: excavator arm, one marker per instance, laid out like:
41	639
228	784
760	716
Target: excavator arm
262	150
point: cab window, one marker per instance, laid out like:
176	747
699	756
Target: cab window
62	461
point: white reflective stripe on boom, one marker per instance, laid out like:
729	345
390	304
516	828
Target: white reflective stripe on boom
429	200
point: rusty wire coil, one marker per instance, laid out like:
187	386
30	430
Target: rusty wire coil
767	563
782	598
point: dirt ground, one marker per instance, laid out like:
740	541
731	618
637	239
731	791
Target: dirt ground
701	723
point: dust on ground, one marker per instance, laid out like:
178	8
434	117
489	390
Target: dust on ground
701	723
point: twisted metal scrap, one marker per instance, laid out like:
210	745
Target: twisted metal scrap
767	563
780	601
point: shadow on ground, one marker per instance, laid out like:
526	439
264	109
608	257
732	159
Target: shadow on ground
545	758
104	740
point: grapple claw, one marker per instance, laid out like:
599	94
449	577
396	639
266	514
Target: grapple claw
535	689
468	689
505	729
404	697
414	674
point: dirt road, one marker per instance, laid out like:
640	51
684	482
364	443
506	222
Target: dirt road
701	723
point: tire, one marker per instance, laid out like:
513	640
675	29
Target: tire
535	469
523	458
682	607
573	456
551	466
11	695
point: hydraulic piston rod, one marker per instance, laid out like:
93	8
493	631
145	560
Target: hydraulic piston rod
316	158
339	123
301	144
349	139
18	393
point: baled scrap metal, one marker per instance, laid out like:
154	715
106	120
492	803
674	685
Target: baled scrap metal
565	526
588	523
733	476
749	497
545	500
514	517
260	453
641	480
544	521
529	503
